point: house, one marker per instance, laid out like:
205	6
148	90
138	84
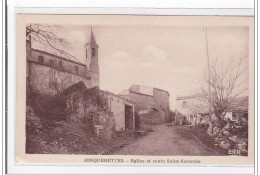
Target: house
195	108
151	104
122	109
179	118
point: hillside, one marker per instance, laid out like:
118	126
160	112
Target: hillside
54	127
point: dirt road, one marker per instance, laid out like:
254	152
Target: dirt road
167	140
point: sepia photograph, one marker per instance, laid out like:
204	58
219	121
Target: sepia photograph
100	90
137	89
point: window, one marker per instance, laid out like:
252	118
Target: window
76	69
93	52
41	59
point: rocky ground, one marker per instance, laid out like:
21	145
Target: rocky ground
76	137
232	137
67	137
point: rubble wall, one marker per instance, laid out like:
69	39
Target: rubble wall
152	117
49	81
77	104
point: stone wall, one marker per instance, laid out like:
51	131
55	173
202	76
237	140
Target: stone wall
161	100
118	109
95	81
151	117
50	74
142	101
47	80
60	63
90	106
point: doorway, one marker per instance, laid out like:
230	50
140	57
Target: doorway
129	115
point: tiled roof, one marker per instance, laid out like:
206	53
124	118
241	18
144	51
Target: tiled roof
191	96
59	57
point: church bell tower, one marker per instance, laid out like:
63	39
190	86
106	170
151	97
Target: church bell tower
91	49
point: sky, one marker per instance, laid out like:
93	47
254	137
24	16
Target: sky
171	58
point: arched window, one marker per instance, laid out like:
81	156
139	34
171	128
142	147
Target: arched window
41	59
93	52
76	69
60	64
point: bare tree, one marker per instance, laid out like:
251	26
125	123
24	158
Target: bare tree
227	81
59	80
49	37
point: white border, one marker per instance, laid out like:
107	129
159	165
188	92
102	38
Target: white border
25	7
138	3
140	11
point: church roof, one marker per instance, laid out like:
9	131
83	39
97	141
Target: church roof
59	57
92	38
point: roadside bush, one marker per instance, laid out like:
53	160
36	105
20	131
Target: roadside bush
50	107
239	130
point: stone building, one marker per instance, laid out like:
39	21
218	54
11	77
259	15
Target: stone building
123	111
195	108
48	73
152	104
78	85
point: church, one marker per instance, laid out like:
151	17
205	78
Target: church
50	74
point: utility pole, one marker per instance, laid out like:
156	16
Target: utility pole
209	89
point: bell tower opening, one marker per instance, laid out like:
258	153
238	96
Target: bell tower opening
93	52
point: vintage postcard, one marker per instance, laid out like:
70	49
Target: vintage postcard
135	90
